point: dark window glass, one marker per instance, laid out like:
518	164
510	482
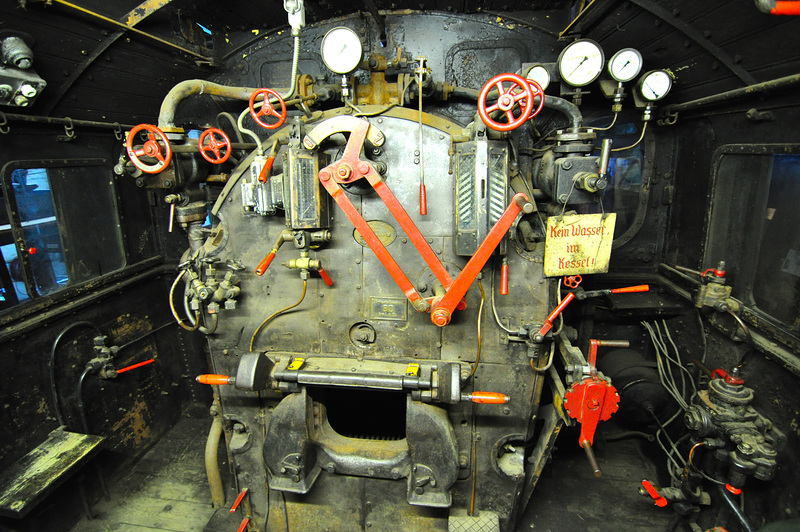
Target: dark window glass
67	229
776	289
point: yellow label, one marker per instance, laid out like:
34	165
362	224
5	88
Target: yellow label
578	243
412	370
296	363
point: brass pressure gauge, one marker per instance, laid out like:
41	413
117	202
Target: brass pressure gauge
540	75
654	85
342	50
581	62
625	65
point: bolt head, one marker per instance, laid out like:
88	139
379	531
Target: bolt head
344	171
324	175
364	168
440	317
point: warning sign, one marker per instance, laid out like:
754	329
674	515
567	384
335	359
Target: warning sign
578	244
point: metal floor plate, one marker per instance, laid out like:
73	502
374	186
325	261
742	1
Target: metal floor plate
460	521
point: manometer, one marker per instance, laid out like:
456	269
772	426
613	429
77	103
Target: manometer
625	65
341	50
540	75
581	62
655	84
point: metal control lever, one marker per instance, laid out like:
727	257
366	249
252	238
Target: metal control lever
580	294
592	400
350	168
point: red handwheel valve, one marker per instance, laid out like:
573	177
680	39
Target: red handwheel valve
151	148
514	92
217	141
537	90
267	108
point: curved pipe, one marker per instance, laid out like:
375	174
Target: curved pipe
212	464
166	115
551	102
52	364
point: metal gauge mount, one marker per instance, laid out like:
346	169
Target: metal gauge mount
342	50
625	65
540	74
581	62
654	85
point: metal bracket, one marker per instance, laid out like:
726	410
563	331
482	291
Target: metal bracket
350	168
69	132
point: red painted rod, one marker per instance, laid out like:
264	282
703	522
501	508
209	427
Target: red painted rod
134	366
423	200
487	398
238	500
504	278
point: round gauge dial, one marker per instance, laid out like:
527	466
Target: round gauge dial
342	50
581	62
540	75
625	65
655	84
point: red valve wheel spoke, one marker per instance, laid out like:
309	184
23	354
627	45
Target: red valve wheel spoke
267	108
214	145
537	90
518	94
151	148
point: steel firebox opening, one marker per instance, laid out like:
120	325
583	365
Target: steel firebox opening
364	414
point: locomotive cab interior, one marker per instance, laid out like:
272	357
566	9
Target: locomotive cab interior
459	265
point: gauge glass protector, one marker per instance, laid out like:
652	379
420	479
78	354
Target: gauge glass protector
540	75
342	50
581	62
625	65
655	85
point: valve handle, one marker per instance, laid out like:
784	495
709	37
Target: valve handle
573	281
267	109
659	500
517	92
243	526
486	398
264	264
423	200
504	278
134	366
151	148
631	289
238	500
537	90
266	170
211	378
325	277
211	152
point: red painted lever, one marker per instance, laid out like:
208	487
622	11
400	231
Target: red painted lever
243	526
423	200
325	277
214	379
504	278
651	490
264	264
486	398
631	289
265	171
786	7
134	366
238	500
730	379
548	323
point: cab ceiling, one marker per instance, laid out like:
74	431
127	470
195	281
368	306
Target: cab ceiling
97	71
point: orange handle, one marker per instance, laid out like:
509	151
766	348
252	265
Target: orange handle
243	526
238	500
423	200
134	366
659	500
213	379
264	264
504	278
784	7
325	277
264	174
631	289
489	398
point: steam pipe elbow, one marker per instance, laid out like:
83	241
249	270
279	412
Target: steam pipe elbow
189	87
568	108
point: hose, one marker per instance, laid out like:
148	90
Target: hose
81	407
275	315
480	313
175	312
295	60
736	510
52	367
212	464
